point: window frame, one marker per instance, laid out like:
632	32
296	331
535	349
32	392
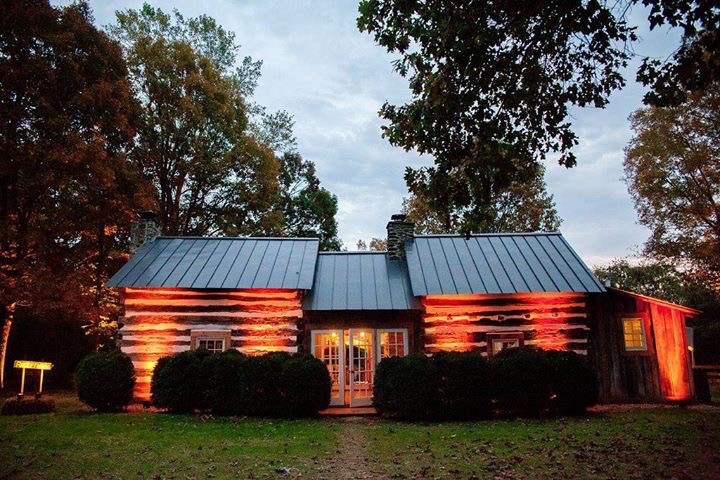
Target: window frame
223	335
495	336
645	350
380	331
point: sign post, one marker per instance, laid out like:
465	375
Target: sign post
25	364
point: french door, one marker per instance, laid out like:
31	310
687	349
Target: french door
362	366
351	356
328	346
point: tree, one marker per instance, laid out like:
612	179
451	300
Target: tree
67	191
492	82
525	206
654	279
212	176
672	168
308	209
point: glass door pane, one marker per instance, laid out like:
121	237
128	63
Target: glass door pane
362	362
327	346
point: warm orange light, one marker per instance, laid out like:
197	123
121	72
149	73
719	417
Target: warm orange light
553	321
159	322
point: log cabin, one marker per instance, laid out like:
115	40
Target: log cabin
425	294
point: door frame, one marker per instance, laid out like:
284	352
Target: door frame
371	363
340	401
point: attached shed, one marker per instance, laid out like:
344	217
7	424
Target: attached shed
640	347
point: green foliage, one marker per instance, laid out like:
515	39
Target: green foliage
672	167
407	387
210	175
308	209
521	380
305	384
176	382
492	84
524	206
105	380
574	383
27	406
654	279
464	385
67	119
229	383
226	384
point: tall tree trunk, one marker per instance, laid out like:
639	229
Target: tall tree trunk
7	325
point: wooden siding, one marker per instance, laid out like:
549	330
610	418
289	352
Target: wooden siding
159	322
463	322
662	372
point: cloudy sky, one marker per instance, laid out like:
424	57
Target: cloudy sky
333	79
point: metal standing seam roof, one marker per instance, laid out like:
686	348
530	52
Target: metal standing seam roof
360	281
496	264
200	262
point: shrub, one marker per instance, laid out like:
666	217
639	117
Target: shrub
263	376
177	382
407	387
105	380
464	385
225	383
574	382
521	380
305	385
27	406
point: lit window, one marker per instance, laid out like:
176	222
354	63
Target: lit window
211	340
500	341
393	343
211	344
634	334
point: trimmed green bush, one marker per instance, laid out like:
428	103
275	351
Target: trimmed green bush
264	393
521	380
407	388
464	385
27	406
305	385
105	380
225	383
177	382
574	382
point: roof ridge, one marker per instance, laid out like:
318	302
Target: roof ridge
192	237
355	252
497	234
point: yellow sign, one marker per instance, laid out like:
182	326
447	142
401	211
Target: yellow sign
33	365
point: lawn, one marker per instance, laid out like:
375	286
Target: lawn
618	442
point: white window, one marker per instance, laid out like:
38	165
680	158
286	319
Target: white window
392	342
498	342
634	334
212	340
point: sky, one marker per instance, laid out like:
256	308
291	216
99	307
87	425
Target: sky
333	79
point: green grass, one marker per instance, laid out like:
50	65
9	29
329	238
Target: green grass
629	442
659	442
76	443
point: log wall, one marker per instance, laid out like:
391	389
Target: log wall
463	322
159	322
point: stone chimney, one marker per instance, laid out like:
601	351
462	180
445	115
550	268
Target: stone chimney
144	230
399	230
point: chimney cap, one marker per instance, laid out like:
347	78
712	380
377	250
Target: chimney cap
147	215
398	217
